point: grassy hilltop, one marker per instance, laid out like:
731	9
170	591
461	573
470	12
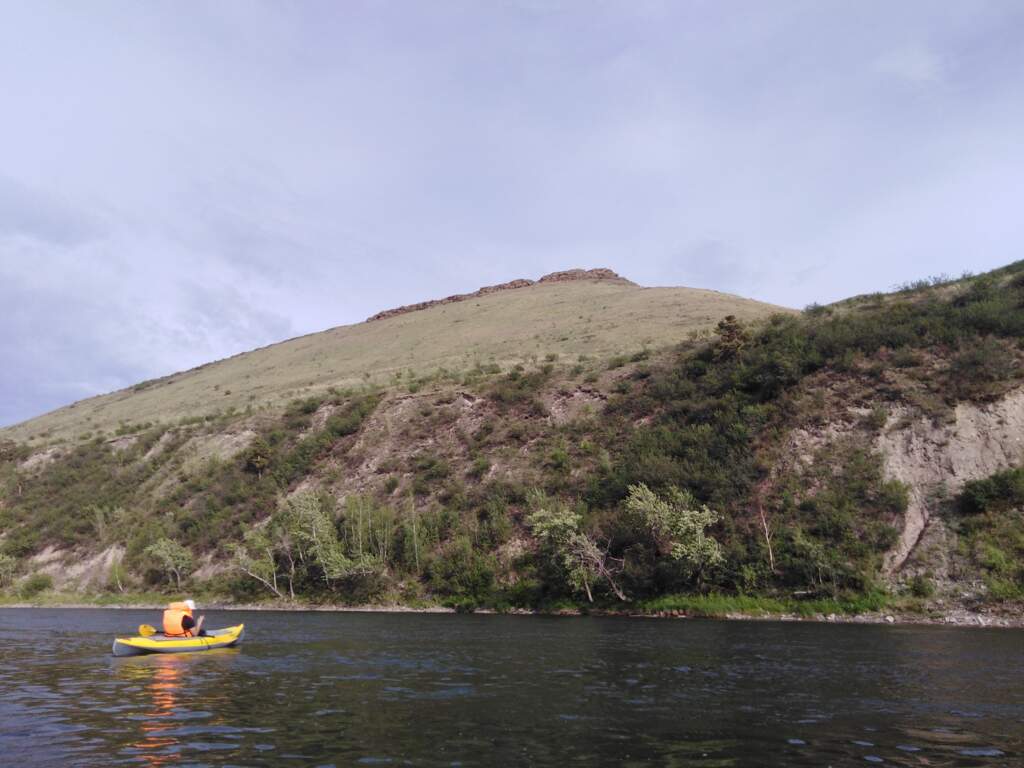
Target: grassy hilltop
586	442
568	318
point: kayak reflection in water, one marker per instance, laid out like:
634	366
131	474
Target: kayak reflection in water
157	745
166	688
179	621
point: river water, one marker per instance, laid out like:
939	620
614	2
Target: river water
411	689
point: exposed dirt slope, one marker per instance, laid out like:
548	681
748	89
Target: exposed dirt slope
936	460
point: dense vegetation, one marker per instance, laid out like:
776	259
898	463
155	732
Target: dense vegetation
680	483
990	524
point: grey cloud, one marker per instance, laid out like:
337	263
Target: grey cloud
182	186
27	212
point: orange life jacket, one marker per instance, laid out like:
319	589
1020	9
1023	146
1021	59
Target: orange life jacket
173	616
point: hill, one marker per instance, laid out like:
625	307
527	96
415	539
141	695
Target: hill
860	456
570	314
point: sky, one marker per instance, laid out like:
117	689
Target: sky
183	181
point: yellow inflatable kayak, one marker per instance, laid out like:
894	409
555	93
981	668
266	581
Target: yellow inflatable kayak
160	643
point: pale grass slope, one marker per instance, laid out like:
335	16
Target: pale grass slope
595	318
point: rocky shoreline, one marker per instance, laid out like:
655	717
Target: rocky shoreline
958	618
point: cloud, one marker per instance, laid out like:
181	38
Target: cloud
178	187
913	63
32	213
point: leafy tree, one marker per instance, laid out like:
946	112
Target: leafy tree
318	539
257	458
117	575
463	572
173	558
732	337
255	558
8	567
582	560
678	525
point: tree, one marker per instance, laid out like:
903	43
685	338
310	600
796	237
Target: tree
269	548
317	539
117	573
583	561
173	558
255	558
677	524
732	337
8	567
257	458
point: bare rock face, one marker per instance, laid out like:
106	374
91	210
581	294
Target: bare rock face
554	277
584	274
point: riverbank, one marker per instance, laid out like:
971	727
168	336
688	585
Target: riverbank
726	607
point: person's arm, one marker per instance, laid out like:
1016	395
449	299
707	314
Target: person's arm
187	623
199	625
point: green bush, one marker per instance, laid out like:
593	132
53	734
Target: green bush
519	390
999	492
35	584
921	586
480	467
461	571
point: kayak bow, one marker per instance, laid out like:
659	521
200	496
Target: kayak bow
160	643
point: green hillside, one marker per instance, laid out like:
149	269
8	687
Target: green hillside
859	456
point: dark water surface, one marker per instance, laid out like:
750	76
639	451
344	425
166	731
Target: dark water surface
404	689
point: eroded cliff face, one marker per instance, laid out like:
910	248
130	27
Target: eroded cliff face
935	460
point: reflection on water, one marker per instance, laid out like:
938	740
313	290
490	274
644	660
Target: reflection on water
162	679
343	689
163	682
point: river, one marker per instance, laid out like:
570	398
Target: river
313	689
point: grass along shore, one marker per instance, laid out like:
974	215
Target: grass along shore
872	609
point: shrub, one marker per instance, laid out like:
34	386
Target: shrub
258	457
351	416
518	389
480	467
460	571
999	492
877	418
34	584
921	586
428	469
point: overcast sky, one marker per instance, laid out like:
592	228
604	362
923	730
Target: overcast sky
181	181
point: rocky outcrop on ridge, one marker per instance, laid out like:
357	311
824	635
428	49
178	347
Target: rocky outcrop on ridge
565	276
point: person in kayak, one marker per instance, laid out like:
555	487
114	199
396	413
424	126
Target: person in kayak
179	621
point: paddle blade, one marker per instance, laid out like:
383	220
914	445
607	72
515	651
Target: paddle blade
146	630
